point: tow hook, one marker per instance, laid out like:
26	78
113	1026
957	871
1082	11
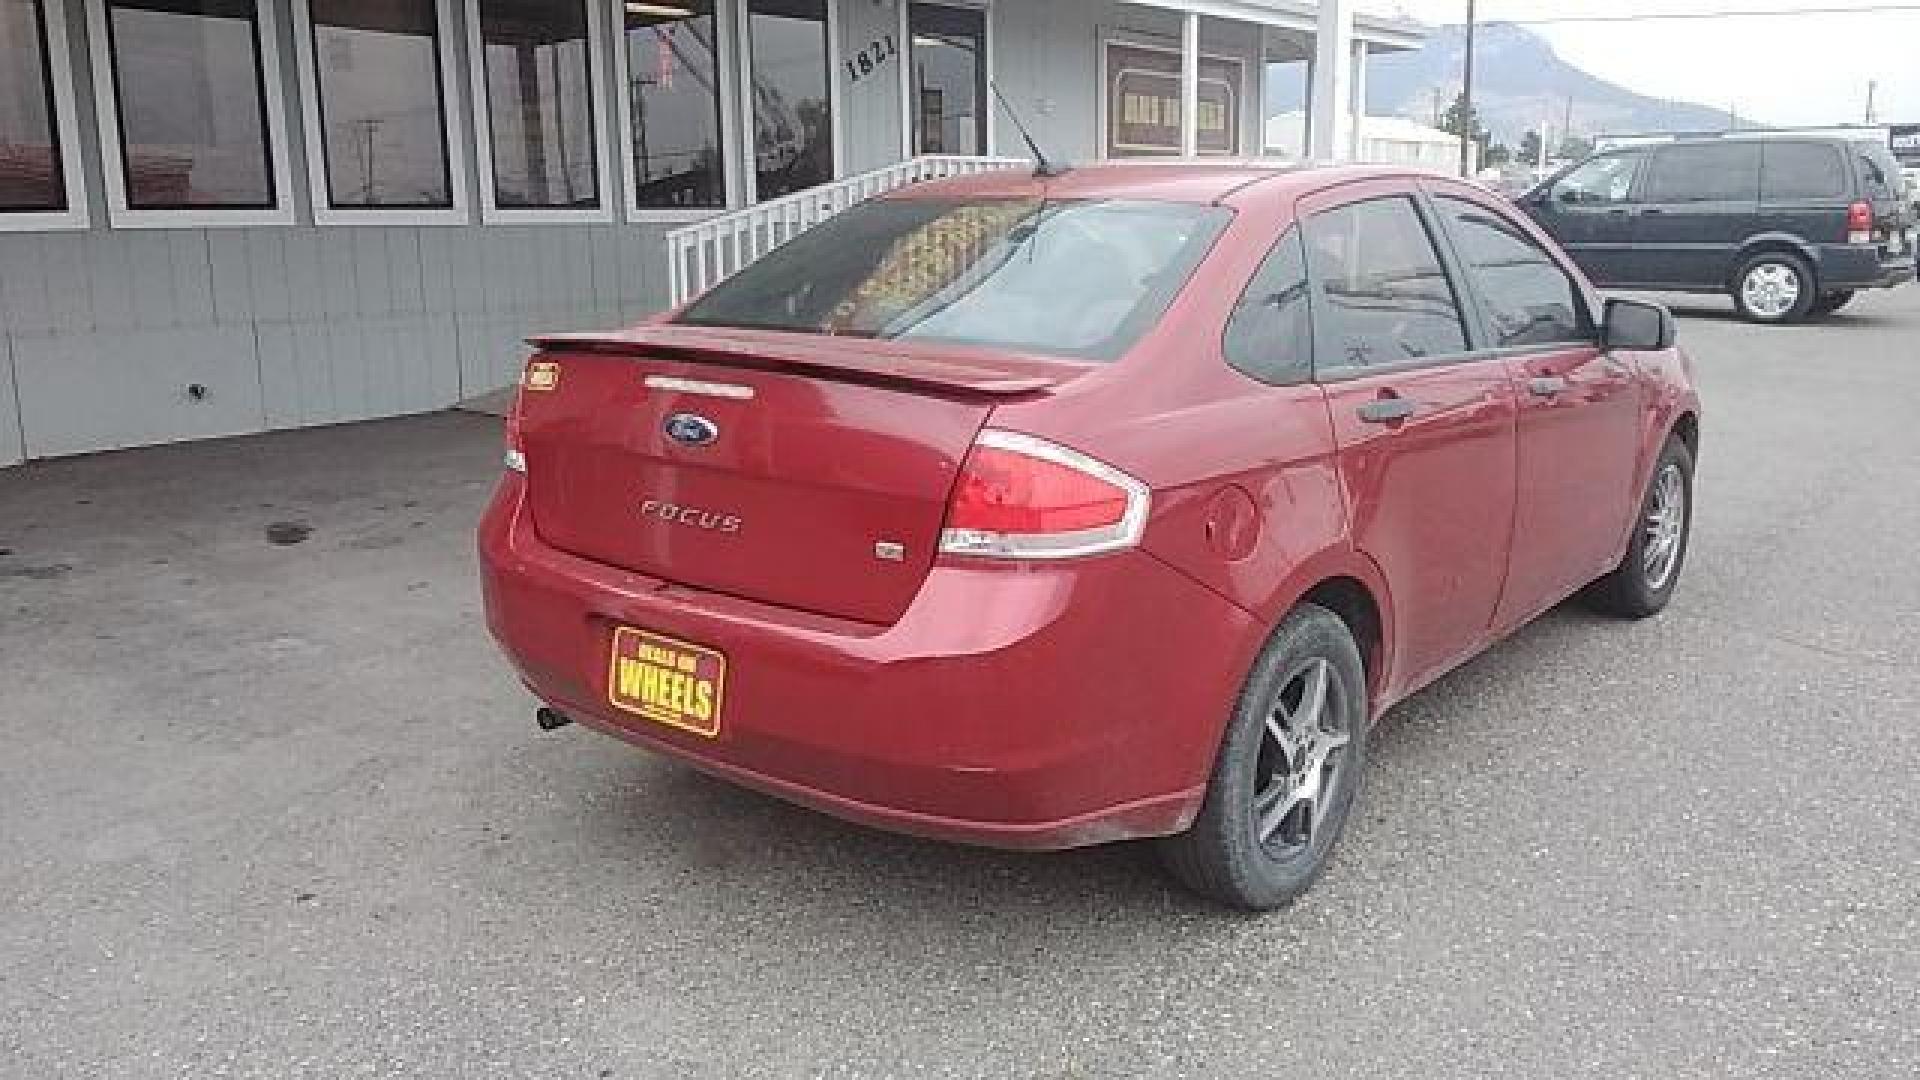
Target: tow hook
551	719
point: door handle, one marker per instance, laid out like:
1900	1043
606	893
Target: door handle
1390	410
1547	386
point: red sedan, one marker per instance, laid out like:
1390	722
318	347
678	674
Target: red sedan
1047	511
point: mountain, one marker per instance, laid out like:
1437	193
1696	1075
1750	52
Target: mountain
1519	83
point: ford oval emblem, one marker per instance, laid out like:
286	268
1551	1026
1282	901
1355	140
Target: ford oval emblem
692	429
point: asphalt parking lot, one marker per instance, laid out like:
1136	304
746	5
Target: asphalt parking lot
273	807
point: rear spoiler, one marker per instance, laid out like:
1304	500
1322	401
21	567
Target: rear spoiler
937	369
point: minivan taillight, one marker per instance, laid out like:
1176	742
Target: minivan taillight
1021	497
1860	223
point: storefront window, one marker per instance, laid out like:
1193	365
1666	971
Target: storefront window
539	78
31	179
673	83
190	98
949	79
1143	103
382	116
792	114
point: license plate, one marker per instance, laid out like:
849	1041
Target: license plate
667	681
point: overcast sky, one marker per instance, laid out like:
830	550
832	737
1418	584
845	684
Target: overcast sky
1790	69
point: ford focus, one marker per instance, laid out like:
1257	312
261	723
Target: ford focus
1038	512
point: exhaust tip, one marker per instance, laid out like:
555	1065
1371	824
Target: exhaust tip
551	719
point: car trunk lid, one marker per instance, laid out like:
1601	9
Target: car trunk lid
806	472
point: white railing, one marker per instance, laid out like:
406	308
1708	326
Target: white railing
701	255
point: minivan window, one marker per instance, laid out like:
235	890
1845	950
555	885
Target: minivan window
1527	296
1602	181
1881	170
1082	278
1270	334
1707	172
1380	295
1799	170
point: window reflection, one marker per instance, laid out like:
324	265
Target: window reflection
674	85
382	117
949	79
792	119
30	167
192	112
539	74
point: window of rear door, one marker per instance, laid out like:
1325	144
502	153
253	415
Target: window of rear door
1430	494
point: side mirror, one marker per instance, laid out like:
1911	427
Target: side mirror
1637	326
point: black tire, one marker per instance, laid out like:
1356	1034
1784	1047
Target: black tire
1805	288
1831	302
1641	586
1224	856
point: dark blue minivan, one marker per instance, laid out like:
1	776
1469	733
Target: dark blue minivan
1789	226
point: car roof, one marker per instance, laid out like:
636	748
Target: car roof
1186	181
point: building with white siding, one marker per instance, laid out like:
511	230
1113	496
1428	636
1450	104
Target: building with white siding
229	216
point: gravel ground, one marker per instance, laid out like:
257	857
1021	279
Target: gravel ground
274	807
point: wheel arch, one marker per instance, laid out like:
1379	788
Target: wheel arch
1686	426
1774	243
1347	583
1351	599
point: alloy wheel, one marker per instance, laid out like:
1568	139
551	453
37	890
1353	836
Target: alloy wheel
1300	759
1666	527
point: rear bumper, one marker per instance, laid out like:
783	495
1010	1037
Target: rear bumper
1038	707
1846	267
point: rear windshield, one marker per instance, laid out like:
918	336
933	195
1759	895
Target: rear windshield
1082	278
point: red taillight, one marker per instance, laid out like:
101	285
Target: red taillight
516	445
1860	223
1019	497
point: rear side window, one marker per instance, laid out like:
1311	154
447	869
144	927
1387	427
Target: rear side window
1791	170
1881	171
1081	278
1528	298
1270	334
1712	172
1379	293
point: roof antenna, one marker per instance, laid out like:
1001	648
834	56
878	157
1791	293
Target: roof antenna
1043	166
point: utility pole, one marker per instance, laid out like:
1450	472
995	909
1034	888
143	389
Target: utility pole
1873	87
1466	99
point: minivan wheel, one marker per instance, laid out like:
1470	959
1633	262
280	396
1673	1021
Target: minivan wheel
1774	288
1643	583
1289	765
1832	302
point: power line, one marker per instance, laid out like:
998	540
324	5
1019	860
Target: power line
1729	13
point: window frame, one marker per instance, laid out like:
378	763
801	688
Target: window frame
452	132
1294	236
1648	196
113	149
1481	338
598	50
910	115
746	144
1842	193
728	27
1642	163
1144	42
1472	332
65	112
